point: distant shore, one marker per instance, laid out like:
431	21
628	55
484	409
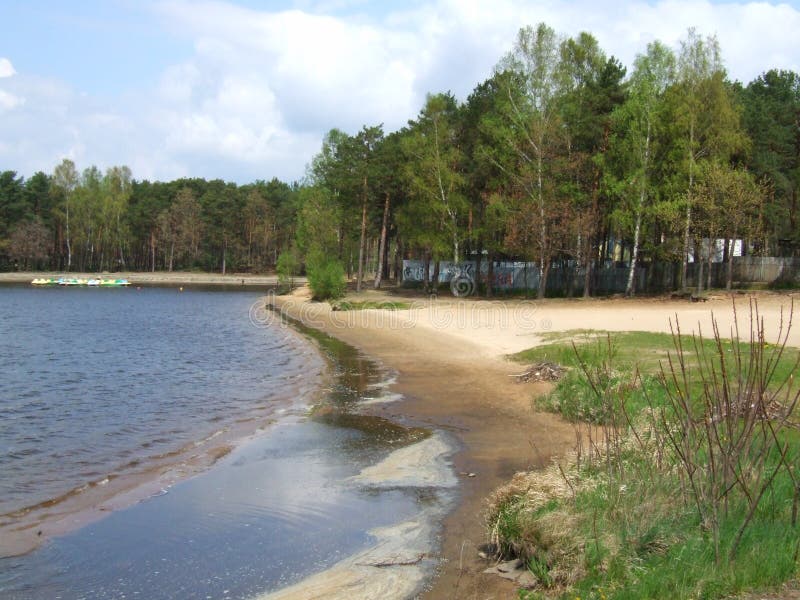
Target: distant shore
159	278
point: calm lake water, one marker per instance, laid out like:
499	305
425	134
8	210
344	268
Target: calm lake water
97	382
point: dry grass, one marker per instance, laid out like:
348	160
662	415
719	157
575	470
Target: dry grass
533	519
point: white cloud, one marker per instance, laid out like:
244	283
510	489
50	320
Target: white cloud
9	101
259	89
6	68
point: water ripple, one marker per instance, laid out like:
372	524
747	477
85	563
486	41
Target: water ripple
94	380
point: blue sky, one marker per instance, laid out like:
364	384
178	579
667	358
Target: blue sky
245	90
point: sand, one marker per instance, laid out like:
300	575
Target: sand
453	376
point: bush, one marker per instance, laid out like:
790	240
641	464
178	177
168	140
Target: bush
326	278
684	479
287	267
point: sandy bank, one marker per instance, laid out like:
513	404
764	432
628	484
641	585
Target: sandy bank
452	374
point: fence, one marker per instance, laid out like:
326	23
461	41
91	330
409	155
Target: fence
567	277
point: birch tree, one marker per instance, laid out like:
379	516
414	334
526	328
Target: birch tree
433	168
65	180
533	128
707	119
637	121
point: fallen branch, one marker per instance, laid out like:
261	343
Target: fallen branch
394	563
543	371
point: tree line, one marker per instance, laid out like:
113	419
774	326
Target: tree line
95	221
563	156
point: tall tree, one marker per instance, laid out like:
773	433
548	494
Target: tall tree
637	123
533	129
772	120
366	142
706	117
489	189
259	228
65	180
116	195
592	89
433	170
729	201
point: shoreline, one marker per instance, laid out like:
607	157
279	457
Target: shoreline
165	278
27	528
400	555
453	376
451	385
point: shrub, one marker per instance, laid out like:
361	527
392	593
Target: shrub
684	481
287	267
326	278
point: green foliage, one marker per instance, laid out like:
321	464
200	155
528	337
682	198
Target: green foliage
347	305
326	278
287	267
556	157
693	496
435	215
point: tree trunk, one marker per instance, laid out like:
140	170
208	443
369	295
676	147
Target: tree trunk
709	264
729	277
456	252
171	254
587	269
382	244
435	277
635	253
639	209
224	254
426	273
542	229
688	225
152	251
490	276
363	241
478	267
69	244
543	279
698	259
398	260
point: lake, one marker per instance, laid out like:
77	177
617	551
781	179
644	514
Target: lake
135	394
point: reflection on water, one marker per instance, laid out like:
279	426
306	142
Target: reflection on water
269	514
96	382
277	509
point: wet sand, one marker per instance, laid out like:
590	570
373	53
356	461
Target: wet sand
452	375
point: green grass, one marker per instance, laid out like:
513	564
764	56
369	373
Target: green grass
630	525
345	305
627	365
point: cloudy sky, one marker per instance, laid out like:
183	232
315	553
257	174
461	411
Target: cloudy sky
245	90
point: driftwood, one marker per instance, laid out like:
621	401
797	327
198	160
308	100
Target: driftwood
543	371
394	563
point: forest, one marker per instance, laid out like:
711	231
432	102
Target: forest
563	156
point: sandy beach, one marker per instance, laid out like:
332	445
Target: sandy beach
453	376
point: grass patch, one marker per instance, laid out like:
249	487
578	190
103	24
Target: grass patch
629	366
684	482
345	305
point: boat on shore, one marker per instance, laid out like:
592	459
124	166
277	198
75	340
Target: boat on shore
75	281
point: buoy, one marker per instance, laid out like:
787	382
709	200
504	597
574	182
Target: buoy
180	289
